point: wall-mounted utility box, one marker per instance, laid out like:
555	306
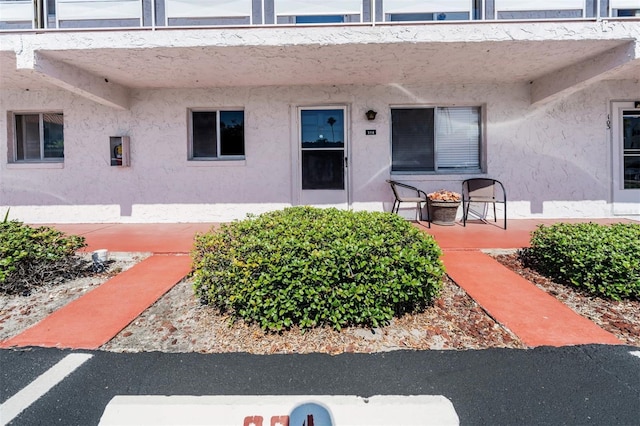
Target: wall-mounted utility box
120	151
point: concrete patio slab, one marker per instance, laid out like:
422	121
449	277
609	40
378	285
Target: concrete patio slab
138	237
479	235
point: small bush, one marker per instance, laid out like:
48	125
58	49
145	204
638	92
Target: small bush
604	260
312	267
31	257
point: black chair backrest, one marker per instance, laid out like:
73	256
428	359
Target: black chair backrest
482	188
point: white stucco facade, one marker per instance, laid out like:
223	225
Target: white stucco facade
546	92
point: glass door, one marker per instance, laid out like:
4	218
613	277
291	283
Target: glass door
323	156
626	158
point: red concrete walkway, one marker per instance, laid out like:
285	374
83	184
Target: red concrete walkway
538	318
93	319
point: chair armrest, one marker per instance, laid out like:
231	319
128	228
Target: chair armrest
419	192
504	191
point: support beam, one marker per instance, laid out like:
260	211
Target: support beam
74	79
576	77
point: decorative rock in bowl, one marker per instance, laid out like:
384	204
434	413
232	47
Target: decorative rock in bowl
443	206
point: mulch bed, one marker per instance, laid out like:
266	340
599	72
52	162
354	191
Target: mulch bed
179	323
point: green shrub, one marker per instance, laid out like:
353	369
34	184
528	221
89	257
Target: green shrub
31	257
604	260
313	267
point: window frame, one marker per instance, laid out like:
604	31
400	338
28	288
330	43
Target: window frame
631	152
482	148
219	156
12	158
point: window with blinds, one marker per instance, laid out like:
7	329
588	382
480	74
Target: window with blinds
442	139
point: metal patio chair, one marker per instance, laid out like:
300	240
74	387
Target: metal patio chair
404	193
484	191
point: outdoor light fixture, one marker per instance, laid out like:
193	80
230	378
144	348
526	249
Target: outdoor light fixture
636	104
371	114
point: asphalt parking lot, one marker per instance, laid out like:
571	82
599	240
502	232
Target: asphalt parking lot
593	384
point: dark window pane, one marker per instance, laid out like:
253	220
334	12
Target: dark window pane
628	12
442	16
204	134
320	19
28	137
632	172
53	135
322	169
398	17
412	139
631	151
232	132
20	129
631	129
322	128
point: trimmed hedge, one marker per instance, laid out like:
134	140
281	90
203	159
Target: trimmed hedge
312	267
31	257
604	260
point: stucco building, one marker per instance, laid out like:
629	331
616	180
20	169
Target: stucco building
191	110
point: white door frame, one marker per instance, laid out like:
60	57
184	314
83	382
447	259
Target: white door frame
326	198
625	201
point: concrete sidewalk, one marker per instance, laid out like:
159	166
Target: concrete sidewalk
92	320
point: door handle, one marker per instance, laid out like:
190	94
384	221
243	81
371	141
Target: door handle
346	162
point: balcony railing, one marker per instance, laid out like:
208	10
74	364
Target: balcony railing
61	14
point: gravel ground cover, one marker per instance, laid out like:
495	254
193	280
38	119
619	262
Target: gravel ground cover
179	323
19	312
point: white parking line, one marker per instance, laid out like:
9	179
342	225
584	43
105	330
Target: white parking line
32	392
271	410
635	353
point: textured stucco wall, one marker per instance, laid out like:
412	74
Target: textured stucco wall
555	159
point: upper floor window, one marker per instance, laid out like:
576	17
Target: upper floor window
441	139
319	19
216	134
400	17
627	12
38	137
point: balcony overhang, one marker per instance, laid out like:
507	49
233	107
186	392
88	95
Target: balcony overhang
620	62
73	79
556	58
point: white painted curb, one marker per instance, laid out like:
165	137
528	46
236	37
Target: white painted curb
271	410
